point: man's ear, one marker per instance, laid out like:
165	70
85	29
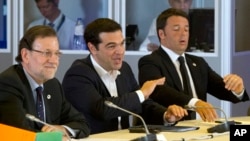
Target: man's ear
92	48
161	33
24	54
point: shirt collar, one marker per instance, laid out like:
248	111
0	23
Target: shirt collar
32	82
173	56
101	71
56	21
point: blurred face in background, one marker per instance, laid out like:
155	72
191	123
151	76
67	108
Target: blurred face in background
47	8
181	4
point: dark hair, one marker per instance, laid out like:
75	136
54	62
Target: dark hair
161	21
52	1
93	30
30	36
47	1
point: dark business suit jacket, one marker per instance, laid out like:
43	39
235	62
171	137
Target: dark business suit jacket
86	91
16	100
158	64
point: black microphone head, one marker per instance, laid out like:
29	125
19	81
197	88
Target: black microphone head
148	137
191	108
187	107
29	116
108	103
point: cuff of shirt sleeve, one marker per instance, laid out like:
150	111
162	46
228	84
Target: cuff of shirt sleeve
71	131
240	96
140	95
192	102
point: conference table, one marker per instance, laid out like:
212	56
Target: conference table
200	134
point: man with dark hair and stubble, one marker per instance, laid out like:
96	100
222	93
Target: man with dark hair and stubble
104	75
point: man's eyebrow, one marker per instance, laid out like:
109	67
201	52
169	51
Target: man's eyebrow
110	43
114	43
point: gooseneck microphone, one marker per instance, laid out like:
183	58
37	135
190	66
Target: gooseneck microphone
112	105
149	136
220	128
33	118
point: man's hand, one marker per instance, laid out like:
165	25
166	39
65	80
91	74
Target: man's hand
206	111
149	86
56	128
234	83
175	113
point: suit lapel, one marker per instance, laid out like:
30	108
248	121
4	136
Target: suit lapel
47	96
107	93
195	73
170	68
28	94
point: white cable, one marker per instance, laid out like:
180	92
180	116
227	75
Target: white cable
204	137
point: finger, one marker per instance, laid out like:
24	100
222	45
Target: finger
47	129
233	84
210	115
160	81
201	115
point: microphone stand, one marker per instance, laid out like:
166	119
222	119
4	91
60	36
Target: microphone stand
149	136
33	118
220	128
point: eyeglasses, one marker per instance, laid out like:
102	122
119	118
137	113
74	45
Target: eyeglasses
48	54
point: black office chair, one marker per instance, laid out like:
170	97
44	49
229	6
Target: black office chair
131	34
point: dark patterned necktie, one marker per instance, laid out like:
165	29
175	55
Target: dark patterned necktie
186	85
39	103
185	78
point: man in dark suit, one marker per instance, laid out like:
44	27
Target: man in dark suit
103	75
38	59
173	33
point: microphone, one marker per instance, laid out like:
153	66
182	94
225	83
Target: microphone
149	136
220	128
33	118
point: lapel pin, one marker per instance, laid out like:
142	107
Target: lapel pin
48	96
194	64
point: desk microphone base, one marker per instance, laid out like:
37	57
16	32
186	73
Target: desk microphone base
224	127
149	137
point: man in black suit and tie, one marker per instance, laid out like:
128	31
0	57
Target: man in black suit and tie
103	75
38	60
173	33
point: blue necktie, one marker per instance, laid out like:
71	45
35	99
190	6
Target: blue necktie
39	103
51	25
